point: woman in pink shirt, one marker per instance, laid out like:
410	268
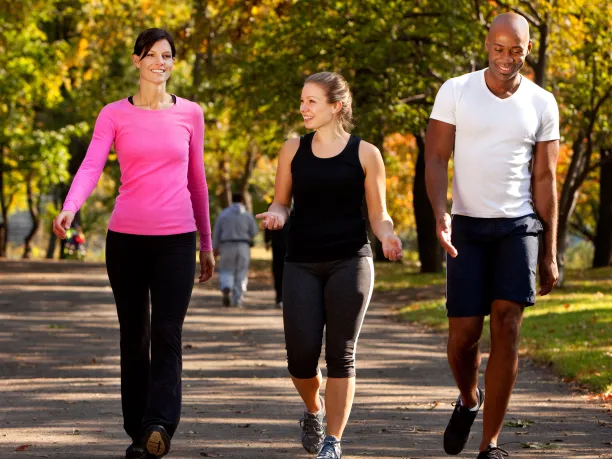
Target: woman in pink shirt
151	240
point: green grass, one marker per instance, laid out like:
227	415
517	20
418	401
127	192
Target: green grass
393	276
570	328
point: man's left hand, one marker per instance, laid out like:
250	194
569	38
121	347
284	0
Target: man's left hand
549	274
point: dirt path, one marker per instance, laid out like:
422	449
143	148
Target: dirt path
59	381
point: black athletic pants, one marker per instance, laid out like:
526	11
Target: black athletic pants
164	268
331	295
278	267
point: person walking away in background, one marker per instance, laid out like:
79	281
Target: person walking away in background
329	273
504	131
233	236
151	240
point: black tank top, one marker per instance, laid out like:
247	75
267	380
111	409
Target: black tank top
327	222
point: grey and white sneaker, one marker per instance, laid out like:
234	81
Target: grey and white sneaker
313	432
331	449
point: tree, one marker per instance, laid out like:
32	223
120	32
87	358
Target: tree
581	73
377	46
43	158
35	78
603	237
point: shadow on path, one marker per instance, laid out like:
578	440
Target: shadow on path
59	381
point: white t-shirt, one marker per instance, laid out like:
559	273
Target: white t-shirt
494	140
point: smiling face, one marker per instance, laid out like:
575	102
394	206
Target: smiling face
508	45
315	108
156	65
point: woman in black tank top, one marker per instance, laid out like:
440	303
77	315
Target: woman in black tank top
329	274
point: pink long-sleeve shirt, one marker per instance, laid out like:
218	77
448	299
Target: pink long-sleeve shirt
163	185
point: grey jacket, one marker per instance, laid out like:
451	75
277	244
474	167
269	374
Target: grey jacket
235	223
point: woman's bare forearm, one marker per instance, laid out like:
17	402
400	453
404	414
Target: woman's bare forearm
382	225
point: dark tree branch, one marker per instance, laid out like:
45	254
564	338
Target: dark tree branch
532	20
533	9
590	235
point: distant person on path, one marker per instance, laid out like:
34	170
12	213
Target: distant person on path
504	131
233	236
329	274
151	240
277	240
74	248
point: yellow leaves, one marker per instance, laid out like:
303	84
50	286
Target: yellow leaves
400	157
82	48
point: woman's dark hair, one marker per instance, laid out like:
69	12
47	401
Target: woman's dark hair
149	37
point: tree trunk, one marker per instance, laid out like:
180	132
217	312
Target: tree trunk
603	239
567	203
52	244
33	207
57	193
3	208
430	251
540	67
201	27
226	185
3	235
252	157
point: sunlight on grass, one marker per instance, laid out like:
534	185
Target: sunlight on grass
571	328
391	276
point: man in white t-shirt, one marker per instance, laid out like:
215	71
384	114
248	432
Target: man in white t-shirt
504	131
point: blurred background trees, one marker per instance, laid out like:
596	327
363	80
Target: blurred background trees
245	62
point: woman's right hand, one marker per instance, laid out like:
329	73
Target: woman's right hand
271	220
62	222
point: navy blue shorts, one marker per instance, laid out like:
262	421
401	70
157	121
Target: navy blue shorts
497	260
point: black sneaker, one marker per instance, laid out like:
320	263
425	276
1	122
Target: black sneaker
313	432
493	452
134	451
226	297
457	432
156	441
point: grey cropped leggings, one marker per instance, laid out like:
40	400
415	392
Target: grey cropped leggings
330	295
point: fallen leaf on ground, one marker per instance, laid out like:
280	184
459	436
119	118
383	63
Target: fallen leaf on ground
518	423
538	445
22	448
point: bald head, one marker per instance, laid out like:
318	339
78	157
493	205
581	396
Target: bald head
510	23
508	44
